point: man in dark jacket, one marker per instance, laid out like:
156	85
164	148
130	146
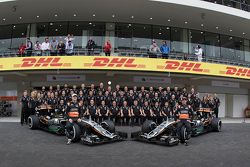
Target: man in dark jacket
25	109
90	46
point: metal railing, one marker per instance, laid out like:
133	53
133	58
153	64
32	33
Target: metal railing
239	4
135	53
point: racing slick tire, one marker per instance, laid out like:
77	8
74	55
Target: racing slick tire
183	134
108	125
216	124
76	133
148	126
33	122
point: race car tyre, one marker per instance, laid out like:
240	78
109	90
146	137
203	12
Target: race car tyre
148	126
216	124
108	125
183	134
33	122
76	133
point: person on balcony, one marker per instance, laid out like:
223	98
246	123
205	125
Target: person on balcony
107	48
37	48
91	46
53	46
199	52
164	50
29	47
69	48
153	50
21	50
45	47
61	48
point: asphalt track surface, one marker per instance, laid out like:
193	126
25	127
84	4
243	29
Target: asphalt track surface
21	147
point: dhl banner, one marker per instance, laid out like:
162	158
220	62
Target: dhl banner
122	63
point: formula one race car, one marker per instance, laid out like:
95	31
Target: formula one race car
55	124
165	133
92	133
204	121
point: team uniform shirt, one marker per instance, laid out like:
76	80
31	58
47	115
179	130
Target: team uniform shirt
114	110
107	100
125	110
99	99
164	99
146	110
89	98
122	99
130	99
136	110
61	109
64	98
166	110
184	112
140	101
52	101
156	110
103	110
92	110
25	101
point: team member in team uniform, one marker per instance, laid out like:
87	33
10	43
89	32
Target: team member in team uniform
114	112
125	113
166	111
33	103
73	116
99	98
146	108
103	111
92	110
60	108
156	112
136	114
25	109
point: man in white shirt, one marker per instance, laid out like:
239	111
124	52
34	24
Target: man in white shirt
199	52
45	47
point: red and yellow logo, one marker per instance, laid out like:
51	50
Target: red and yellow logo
114	62
42	62
234	71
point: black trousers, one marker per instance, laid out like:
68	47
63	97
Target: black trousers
136	120
24	115
185	123
125	120
102	118
216	112
107	53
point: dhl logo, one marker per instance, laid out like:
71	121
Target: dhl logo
42	62
233	71
183	66
114	62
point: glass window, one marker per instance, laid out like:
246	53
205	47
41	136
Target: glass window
123	33
239	48
83	31
227	47
247	50
142	37
5	37
196	38
20	32
41	31
212	44
179	40
160	34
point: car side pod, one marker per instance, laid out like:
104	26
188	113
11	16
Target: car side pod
163	134
93	133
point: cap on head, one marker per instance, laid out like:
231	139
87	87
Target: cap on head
74	95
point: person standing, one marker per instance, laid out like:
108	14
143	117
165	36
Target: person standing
107	48
45	47
216	105
37	48
53	47
29	47
61	48
199	52
25	111
153	50
164	50
69	48
91	46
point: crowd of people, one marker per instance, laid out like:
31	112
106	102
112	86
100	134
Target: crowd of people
62	47
66	47
122	105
